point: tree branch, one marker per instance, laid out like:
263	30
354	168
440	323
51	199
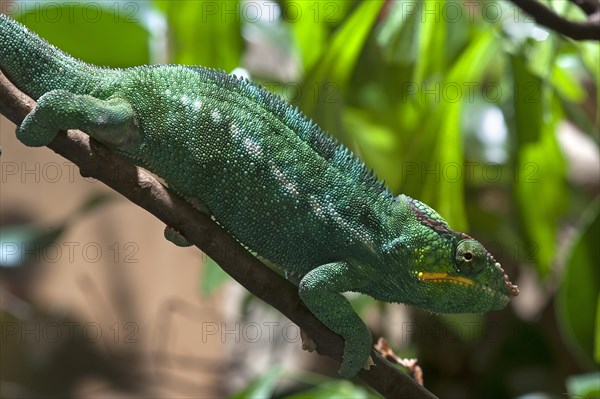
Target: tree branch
586	30
144	190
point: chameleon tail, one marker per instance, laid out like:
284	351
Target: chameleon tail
36	67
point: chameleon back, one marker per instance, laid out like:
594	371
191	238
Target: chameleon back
269	175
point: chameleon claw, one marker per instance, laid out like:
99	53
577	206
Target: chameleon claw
307	343
369	363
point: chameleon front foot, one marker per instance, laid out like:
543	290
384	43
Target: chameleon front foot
309	345
356	355
320	291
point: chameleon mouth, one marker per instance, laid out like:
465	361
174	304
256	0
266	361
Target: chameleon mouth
444	277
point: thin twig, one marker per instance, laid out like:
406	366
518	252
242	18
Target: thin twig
585	30
590	7
144	190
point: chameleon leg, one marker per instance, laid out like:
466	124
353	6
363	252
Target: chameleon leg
320	290
110	121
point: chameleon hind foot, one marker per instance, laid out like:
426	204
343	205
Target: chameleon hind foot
307	342
369	363
176	238
109	121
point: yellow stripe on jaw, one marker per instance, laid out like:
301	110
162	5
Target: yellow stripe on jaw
443	277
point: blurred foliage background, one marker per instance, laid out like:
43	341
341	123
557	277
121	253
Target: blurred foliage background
468	106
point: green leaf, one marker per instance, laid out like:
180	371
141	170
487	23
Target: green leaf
375	142
261	387
447	195
450	198
312	24
597	333
567	85
578	303
310	39
527	101
94	201
540	189
339	58
398	35
205	33
333	389
432	40
213	277
584	386
588	52
109	34
330	75
347	43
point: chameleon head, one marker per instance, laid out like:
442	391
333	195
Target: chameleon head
470	280
449	271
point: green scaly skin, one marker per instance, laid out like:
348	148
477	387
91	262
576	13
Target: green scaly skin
271	177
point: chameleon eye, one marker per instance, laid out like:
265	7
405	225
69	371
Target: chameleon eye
470	257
